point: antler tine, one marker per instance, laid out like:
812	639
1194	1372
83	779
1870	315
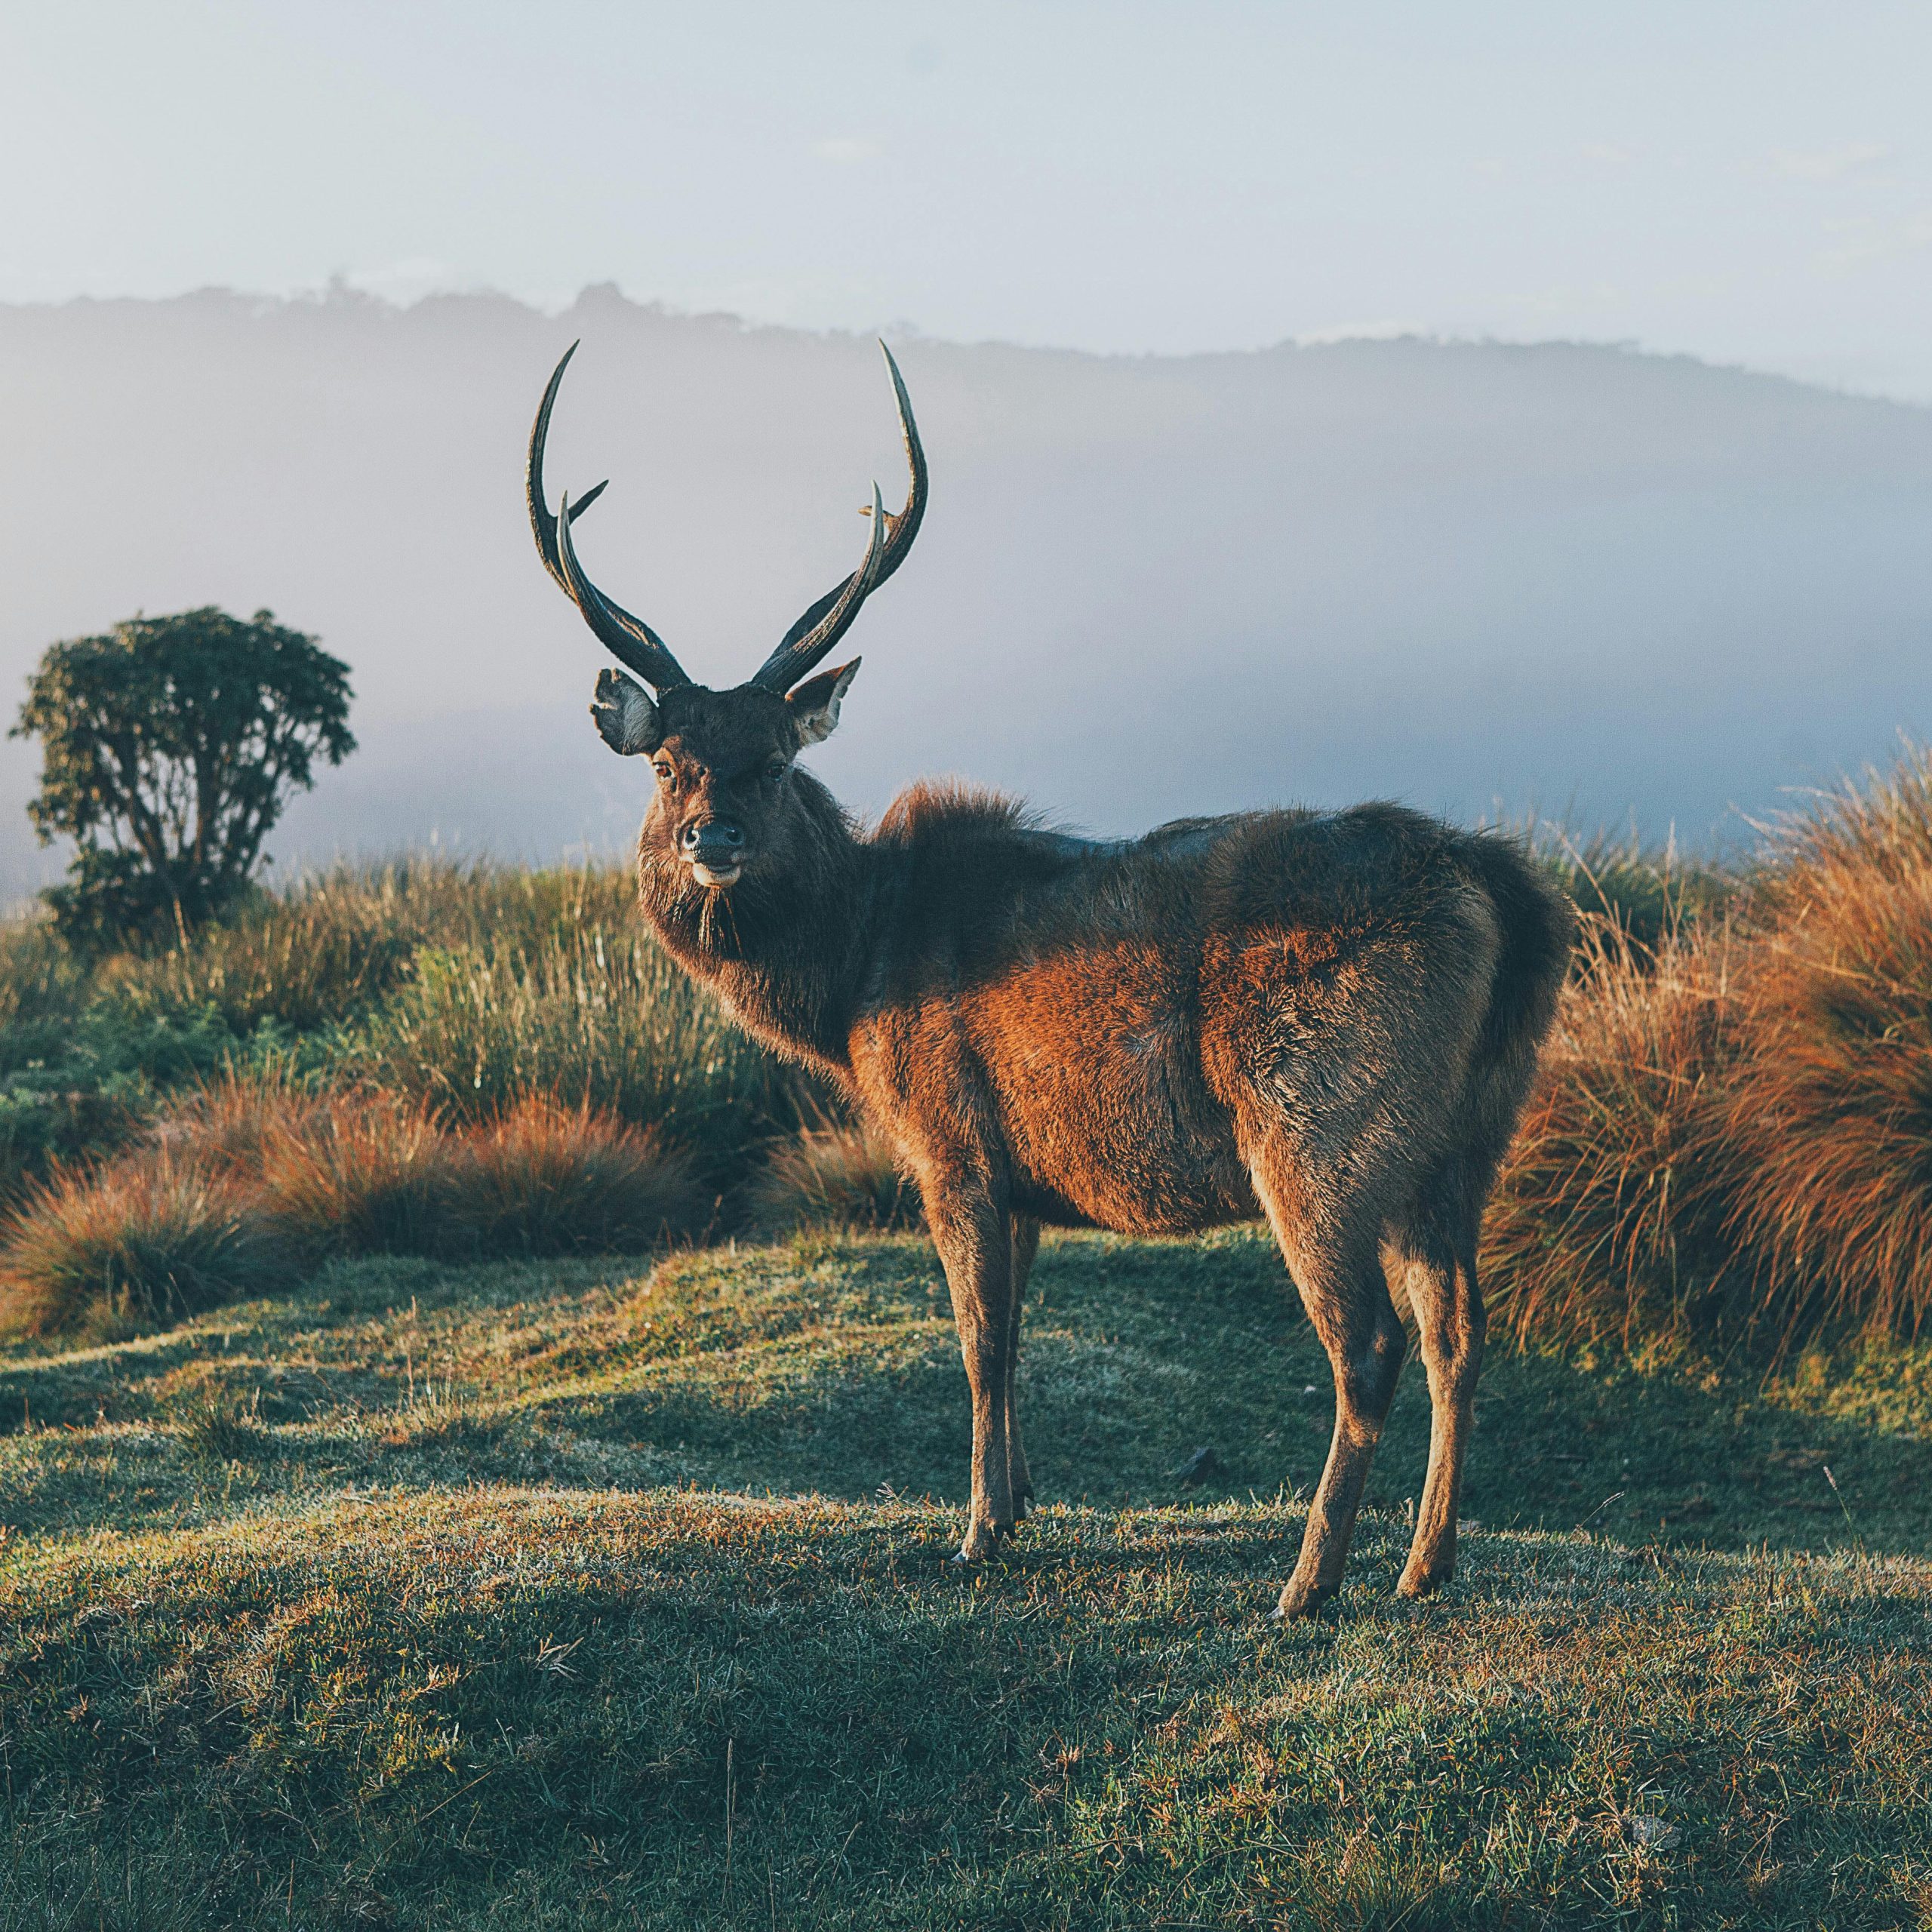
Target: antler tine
629	639
827	621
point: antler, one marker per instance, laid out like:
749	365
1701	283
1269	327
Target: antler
630	640
828	620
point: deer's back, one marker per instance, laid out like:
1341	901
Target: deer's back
1116	1023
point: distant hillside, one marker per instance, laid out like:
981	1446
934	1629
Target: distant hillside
1588	581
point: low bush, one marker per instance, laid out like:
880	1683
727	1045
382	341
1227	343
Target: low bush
150	1238
74	1090
832	1177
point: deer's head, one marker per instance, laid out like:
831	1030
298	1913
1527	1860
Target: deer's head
723	758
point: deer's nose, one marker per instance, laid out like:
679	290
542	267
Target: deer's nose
716	835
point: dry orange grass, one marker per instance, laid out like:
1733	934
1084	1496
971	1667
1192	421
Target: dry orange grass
1736	1133
1826	1120
546	1178
1605	1215
153	1236
832	1177
361	1173
253	1182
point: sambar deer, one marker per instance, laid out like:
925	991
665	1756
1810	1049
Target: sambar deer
1330	1018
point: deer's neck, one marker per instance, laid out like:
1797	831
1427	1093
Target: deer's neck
787	954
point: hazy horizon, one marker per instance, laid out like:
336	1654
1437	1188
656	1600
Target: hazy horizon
1491	579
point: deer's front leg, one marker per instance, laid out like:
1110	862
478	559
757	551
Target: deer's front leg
974	1239
1026	1245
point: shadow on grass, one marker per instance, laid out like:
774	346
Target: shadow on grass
1137	1354
830	1367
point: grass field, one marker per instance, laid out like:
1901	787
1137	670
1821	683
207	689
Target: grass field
373	1553
585	1594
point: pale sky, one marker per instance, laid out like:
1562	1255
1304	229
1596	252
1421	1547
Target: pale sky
1750	183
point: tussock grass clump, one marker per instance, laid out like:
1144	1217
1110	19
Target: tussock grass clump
1826	1122
363	1173
216	1431
1734	1128
150	1238
255	1181
543	1179
832	1177
1607	1213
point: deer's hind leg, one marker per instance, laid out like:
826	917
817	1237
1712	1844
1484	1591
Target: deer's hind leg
1431	1253
1336	1261
973	1233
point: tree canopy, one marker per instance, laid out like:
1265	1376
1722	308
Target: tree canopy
170	746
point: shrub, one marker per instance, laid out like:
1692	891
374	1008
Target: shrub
545	1179
168	748
832	1177
149	1239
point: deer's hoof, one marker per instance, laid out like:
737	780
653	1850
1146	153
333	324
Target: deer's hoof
1299	1600
1419	1584
984	1540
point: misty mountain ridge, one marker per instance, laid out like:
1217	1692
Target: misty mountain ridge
1485	578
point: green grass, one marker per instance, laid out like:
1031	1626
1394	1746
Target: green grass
468	988
561	1594
1646	892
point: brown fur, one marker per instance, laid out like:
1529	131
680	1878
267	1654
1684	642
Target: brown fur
1328	1018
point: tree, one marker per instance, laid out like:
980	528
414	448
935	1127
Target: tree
169	748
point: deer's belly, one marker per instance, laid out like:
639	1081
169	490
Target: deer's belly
1104	1109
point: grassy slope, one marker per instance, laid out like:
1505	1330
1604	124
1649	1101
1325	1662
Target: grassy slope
446	1597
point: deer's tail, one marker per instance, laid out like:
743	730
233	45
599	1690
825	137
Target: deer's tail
1538	927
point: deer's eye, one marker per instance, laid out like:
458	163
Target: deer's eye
775	770
665	773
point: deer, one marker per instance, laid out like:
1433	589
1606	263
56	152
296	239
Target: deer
1327	1018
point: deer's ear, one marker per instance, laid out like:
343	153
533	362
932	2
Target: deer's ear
626	719
815	703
